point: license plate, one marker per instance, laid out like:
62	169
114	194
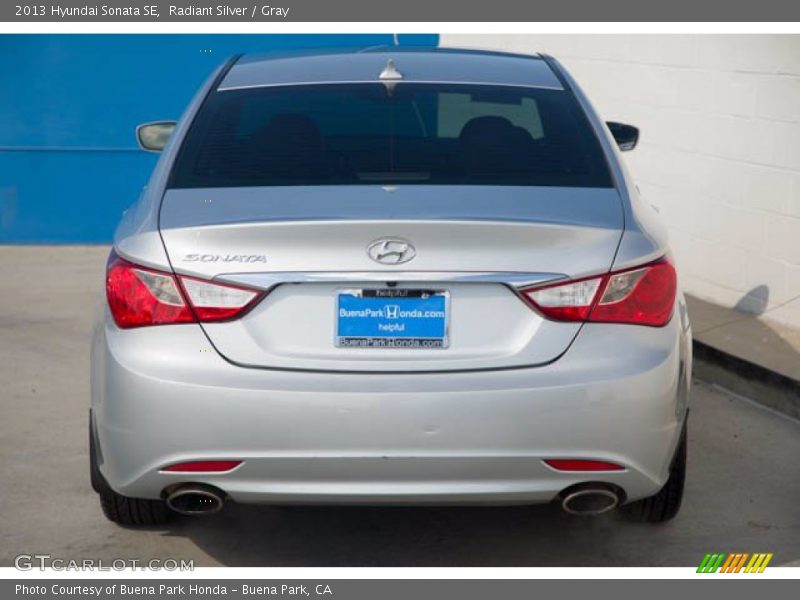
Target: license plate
392	318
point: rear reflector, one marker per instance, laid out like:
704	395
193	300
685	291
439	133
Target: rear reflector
140	296
643	295
568	464
203	466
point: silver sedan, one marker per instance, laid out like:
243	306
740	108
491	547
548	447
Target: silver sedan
397	276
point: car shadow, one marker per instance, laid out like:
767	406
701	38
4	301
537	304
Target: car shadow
246	535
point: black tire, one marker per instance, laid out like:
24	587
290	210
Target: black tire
667	502
131	512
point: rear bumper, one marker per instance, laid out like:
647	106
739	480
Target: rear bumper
162	395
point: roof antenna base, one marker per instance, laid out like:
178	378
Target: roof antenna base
390	72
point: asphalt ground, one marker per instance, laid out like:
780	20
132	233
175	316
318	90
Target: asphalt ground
742	490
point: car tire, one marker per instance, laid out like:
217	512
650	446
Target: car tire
130	512
665	505
133	512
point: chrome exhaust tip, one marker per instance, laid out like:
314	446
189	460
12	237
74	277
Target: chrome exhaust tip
194	500
590	501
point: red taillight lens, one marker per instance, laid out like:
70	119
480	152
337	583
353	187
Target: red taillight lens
203	466
643	296
571	301
569	464
215	302
140	296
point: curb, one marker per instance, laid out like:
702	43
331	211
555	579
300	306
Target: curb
766	387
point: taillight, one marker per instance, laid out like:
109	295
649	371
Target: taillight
566	302
642	295
140	296
215	302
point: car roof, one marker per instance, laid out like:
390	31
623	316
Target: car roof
419	65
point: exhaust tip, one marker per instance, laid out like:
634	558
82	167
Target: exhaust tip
194	500
590	501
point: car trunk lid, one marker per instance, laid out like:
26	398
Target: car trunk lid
474	245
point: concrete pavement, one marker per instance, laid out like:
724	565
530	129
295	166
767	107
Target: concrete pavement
751	337
743	483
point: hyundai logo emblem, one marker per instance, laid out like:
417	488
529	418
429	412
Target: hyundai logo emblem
391	251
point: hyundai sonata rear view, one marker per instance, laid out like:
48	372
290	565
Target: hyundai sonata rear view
396	276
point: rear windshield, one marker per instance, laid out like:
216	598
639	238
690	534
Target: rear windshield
371	133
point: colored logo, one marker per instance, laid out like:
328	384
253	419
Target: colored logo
734	563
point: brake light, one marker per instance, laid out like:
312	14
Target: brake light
642	295
139	296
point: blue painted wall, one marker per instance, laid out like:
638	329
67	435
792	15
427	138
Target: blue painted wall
69	104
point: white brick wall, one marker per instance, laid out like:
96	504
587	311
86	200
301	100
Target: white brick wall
720	148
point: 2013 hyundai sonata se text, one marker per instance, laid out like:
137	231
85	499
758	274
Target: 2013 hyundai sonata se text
396	276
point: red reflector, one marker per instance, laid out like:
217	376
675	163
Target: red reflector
568	464
203	466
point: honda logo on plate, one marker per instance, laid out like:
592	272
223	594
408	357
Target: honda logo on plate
391	251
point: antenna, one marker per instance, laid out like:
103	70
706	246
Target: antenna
390	72
390	76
